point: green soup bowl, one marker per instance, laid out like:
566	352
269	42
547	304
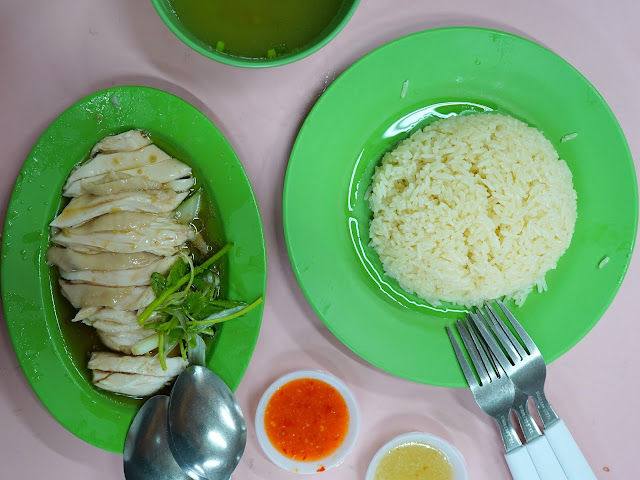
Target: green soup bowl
171	19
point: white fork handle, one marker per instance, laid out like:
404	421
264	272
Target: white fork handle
568	452
520	464
544	459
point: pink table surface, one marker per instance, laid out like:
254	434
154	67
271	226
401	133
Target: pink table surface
54	53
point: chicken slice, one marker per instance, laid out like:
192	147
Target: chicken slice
110	316
115	162
71	260
82	209
85	313
181	185
125	183
123	341
135	385
162	173
128	141
143	364
161	239
124	221
113	182
83	295
122	278
119	328
137	376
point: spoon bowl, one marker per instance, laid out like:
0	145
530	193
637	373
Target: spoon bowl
146	450
207	430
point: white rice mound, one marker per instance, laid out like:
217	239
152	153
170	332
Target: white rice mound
472	208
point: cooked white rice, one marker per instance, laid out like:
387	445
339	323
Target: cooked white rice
472	208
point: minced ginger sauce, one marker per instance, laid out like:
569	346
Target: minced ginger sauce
306	419
414	461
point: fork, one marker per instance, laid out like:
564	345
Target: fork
537	445
527	370
494	394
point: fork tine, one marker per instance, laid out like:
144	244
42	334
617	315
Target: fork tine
512	354
509	342
526	339
494	361
464	365
480	346
483	374
491	342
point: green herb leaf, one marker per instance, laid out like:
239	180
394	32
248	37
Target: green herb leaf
158	283
225	315
185	308
226	303
175	335
204	281
195	302
178	271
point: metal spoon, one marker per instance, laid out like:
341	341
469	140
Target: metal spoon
207	430
146	450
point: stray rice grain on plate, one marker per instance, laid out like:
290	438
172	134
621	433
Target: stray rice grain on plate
472	208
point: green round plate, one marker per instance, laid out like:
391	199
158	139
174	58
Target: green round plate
33	310
364	113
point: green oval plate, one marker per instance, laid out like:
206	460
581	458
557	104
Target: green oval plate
364	113
33	318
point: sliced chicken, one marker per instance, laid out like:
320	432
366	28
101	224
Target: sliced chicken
110	315
124	221
119	328
114	162
135	385
71	260
113	182
123	341
119	182
162	239
200	243
122	278
128	141
117	230
82	295
163	173
85	313
136	376
82	209
143	364
181	185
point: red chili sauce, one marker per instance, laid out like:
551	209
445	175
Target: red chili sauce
306	419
